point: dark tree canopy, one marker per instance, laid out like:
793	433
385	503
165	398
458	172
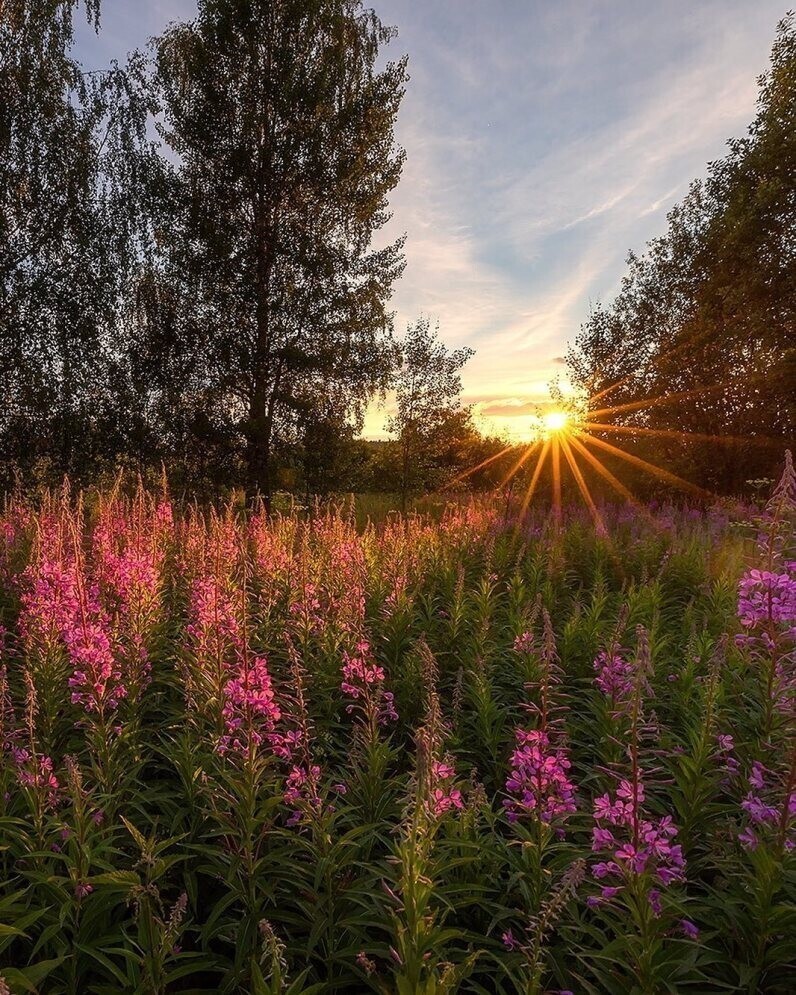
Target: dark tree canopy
270	301
72	147
705	319
429	417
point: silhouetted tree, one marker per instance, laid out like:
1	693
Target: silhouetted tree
71	237
270	297
704	324
428	412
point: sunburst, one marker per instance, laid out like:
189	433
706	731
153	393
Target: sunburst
569	439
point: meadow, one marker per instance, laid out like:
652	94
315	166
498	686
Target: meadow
461	752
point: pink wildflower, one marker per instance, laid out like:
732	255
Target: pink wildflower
301	792
36	773
539	780
250	710
615	679
363	682
765	596
444	796
635	844
689	929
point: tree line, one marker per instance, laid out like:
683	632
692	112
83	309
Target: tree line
194	273
700	341
189	272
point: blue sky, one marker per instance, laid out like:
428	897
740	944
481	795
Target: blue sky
544	140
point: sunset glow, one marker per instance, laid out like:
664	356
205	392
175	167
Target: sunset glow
556	421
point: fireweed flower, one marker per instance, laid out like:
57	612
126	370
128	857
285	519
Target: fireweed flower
360	673
51	602
631	844
768	812
509	940
444	796
363	682
214	625
61	604
614	677
525	643
9	733
301	792
767	611
765	597
539	781
96	682
36	773
688	929
250	711
306	608
725	747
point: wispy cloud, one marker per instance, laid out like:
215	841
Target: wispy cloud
544	144
543	141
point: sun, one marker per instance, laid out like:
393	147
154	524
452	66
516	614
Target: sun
555	422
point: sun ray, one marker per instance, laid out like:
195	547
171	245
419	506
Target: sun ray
604	472
582	487
670	433
482	464
661	399
668	354
519	464
656	471
556	478
534	479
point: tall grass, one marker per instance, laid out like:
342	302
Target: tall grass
337	749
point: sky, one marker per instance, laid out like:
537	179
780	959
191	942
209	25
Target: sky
544	140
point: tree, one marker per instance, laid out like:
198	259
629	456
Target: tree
429	412
705	320
71	145
269	298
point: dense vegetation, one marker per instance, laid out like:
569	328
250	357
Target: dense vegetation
705	321
190	270
470	753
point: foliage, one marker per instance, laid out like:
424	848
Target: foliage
468	752
700	337
267	309
428	415
73	230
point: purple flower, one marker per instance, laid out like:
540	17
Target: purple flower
614	678
748	838
634	843
509	941
689	929
539	782
765	596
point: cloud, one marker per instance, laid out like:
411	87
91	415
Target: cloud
542	144
539	153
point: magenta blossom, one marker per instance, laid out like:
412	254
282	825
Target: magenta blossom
539	781
765	596
444	795
250	710
36	773
634	844
301	793
614	677
363	682
360	672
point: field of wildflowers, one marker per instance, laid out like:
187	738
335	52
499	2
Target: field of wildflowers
476	754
